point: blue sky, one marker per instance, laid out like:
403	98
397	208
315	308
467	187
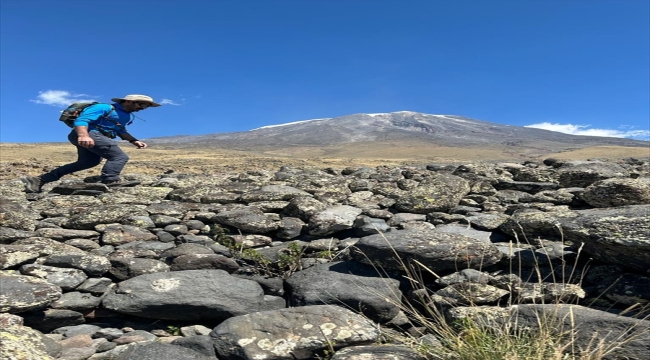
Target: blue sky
576	66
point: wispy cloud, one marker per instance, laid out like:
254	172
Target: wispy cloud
586	130
169	102
60	97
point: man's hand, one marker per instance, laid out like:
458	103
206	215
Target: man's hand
85	142
139	144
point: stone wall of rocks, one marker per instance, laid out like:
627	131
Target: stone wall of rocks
296	263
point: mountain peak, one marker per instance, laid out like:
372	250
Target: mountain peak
402	129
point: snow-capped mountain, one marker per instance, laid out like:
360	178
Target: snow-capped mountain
402	127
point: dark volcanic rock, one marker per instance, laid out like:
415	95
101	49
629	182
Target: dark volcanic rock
437	251
187	295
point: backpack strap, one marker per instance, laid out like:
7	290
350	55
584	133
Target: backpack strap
106	117
109	119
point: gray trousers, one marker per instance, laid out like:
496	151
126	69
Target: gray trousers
105	148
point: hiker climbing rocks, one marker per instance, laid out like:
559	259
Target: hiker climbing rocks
94	128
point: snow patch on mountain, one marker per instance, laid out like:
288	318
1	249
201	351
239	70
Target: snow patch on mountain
451	118
373	115
289	123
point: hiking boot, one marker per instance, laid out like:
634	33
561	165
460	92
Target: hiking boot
120	183
33	184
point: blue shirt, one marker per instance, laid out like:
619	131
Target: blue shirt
108	119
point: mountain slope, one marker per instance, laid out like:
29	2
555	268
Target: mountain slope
403	128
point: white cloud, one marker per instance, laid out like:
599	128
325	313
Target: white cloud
585	130
60	98
169	102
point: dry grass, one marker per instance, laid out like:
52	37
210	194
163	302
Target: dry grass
490	334
32	159
603	152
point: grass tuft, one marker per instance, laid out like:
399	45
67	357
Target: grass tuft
467	331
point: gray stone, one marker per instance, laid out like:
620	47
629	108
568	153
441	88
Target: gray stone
585	173
160	351
378	352
250	220
66	279
14	255
294	333
203	344
94	265
122	234
441	192
188	295
364	225
204	261
22	342
303	207
487	222
66	234
24	293
526	186
51	319
126	268
76	301
436	251
356	286
273	193
332	220
625	338
86	219
9	235
618	192
615	235
290	228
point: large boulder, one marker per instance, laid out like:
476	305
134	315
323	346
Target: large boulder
295	333
585	173
189	295
583	329
435	250
88	218
622	337
619	235
618	192
348	283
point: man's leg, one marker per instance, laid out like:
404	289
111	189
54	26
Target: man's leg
115	157
86	159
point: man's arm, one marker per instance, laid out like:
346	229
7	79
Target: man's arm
128	137
83	138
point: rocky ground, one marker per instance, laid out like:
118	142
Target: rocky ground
282	263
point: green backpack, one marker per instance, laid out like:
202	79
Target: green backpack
72	112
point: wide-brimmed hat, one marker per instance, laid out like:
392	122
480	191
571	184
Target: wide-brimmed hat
144	98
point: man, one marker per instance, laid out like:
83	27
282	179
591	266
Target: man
93	134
